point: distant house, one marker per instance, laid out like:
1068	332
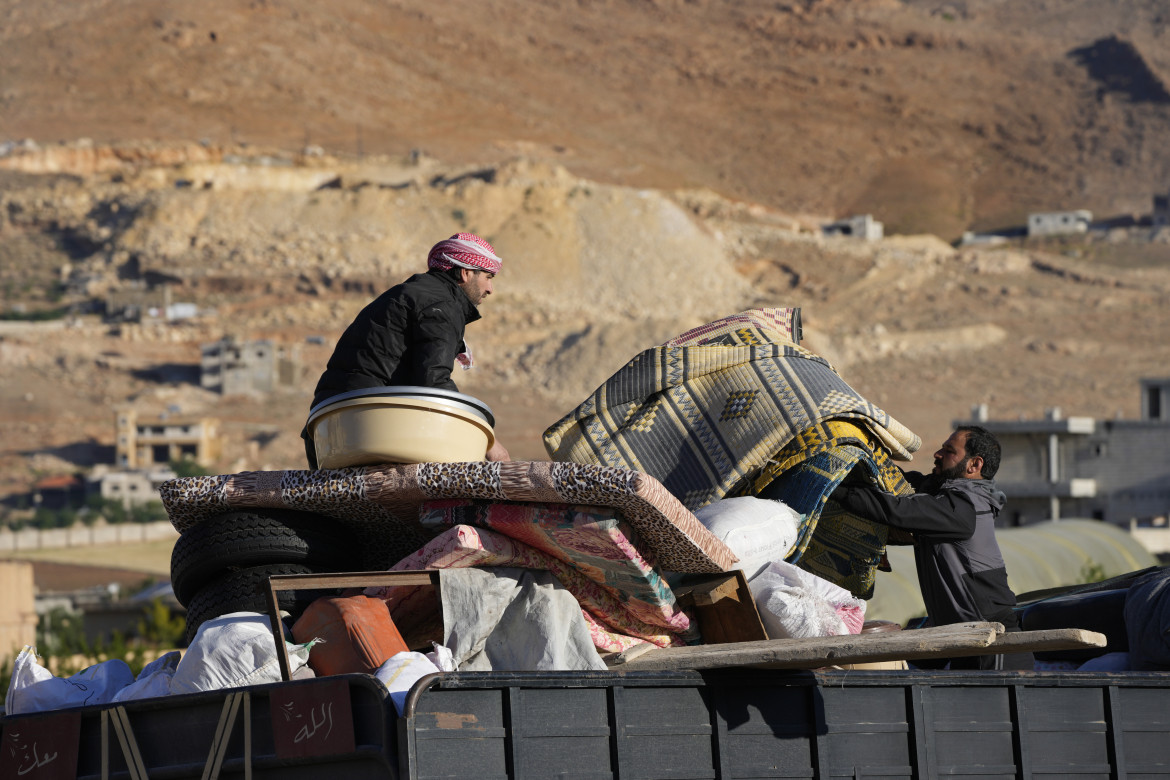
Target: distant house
1112	470
129	487
142	443
234	367
862	226
1059	223
136	302
58	492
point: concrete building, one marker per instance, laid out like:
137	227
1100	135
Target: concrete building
862	226
234	367
143	443
1059	223
1156	400
137	302
129	488
18	616
1112	470
58	492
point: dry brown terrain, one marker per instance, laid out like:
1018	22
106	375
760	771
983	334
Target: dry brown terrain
936	116
642	167
67	576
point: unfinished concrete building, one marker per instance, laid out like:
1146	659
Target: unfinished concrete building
129	487
1112	470
232	366
862	226
146	440
1059	223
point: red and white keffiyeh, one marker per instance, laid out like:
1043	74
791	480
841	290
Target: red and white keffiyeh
464	250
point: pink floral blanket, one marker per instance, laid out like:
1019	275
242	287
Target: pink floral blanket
613	626
595	541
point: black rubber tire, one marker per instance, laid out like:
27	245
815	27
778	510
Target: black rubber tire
238	540
244	591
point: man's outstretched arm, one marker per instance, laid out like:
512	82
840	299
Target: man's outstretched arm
946	517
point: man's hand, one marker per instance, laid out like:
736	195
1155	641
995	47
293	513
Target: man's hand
497	452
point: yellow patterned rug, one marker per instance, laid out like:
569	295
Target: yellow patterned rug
833	544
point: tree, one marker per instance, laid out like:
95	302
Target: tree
148	513
111	510
186	467
160	628
44	518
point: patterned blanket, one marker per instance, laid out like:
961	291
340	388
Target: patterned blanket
612	625
380	504
832	543
707	411
595	541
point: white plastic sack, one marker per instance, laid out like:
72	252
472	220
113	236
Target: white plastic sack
233	651
154	679
400	672
758	530
33	688
794	603
442	657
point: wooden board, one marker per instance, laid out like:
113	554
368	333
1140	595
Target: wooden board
1048	639
724	606
960	639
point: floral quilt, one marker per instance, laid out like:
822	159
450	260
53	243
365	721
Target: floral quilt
595	541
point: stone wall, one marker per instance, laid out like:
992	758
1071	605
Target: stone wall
85	536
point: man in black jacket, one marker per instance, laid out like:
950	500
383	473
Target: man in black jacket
952	518
412	334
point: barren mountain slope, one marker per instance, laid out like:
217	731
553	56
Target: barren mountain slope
934	116
594	274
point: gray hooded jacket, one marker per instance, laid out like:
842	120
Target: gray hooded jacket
960	567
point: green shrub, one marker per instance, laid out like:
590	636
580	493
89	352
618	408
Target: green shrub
188	468
42	315
1091	571
148	513
62	646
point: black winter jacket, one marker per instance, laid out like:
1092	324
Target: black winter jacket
409	335
960	568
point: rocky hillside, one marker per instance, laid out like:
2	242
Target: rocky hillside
291	247
642	166
937	116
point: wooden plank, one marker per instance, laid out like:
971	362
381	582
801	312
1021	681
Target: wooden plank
935	642
963	639
1049	639
630	653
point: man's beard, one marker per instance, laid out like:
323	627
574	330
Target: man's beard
954	472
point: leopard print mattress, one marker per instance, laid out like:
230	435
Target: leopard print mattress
380	504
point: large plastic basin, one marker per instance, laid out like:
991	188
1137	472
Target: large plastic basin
400	425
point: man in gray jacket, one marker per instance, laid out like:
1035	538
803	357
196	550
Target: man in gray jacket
952	518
